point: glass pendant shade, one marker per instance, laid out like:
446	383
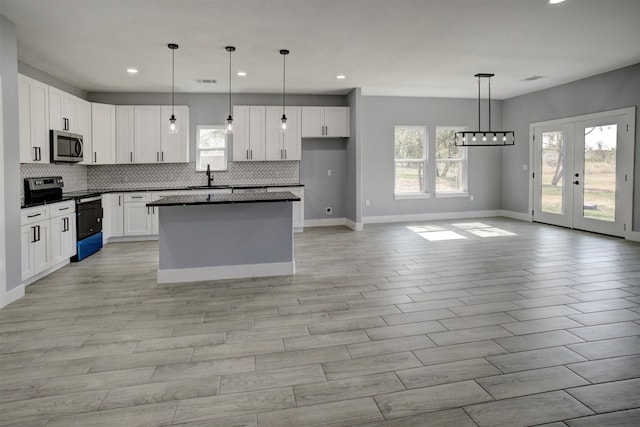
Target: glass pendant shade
283	124
173	125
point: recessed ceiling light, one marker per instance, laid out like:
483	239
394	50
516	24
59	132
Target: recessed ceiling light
555	1
341	77
132	70
242	74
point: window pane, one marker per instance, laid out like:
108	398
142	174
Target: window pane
449	176
211	138
410	143
214	158
409	176
451	162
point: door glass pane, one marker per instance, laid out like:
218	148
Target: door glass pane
552	188
599	180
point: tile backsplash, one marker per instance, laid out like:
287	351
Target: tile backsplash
79	177
74	176
184	174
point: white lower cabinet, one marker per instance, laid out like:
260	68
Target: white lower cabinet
298	207
47	238
137	216
113	220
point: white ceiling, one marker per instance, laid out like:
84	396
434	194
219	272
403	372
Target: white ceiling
386	47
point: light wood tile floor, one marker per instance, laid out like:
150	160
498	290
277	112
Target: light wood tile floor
529	325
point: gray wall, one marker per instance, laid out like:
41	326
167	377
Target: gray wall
212	109
607	91
380	115
320	190
11	178
46	78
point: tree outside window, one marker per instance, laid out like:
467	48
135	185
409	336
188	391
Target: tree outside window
211	148
410	159
451	162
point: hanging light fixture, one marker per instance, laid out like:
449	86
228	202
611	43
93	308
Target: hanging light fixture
283	125
173	126
485	138
230	118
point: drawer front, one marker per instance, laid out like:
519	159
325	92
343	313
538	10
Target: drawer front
34	214
137	197
64	208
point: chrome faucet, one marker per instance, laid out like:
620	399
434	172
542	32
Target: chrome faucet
209	176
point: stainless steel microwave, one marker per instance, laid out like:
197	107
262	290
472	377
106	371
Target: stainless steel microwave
65	147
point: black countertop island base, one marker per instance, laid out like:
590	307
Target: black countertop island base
223	199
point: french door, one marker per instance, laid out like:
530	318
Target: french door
583	172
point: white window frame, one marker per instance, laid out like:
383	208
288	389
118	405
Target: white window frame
199	150
465	166
425	150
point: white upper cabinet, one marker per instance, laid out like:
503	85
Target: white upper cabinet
152	141
33	120
279	145
124	133
83	121
319	122
248	133
62	111
174	148
147	134
103	128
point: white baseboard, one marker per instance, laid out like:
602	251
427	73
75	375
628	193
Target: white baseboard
45	273
516	215
634	236
429	216
12	295
355	226
121	239
325	222
200	274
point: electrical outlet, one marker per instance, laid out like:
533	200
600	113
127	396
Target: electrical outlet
525	167
367	202
328	210
328	172
471	198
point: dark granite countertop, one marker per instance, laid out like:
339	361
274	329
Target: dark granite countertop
222	199
74	195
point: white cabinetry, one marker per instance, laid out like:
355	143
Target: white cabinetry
63	111
298	207
174	148
282	145
113	221
152	141
137	216
103	128
124	133
35	237
248	133
63	231
318	122
83	121
33	120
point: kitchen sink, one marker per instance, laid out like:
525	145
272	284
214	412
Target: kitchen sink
207	187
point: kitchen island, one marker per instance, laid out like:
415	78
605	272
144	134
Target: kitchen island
225	236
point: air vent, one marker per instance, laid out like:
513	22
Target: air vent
206	81
532	78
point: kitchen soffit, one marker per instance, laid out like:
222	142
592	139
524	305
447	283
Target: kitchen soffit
387	47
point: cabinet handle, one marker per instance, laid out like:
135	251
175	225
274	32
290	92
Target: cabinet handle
34	234
34	215
157	156
147	210
285	153
137	197
131	156
119	200
63	209
251	154
162	155
247	154
35	154
64	224
281	154
95	157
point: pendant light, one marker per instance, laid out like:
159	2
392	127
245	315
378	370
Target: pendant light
173	126
230	118
283	125
485	138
